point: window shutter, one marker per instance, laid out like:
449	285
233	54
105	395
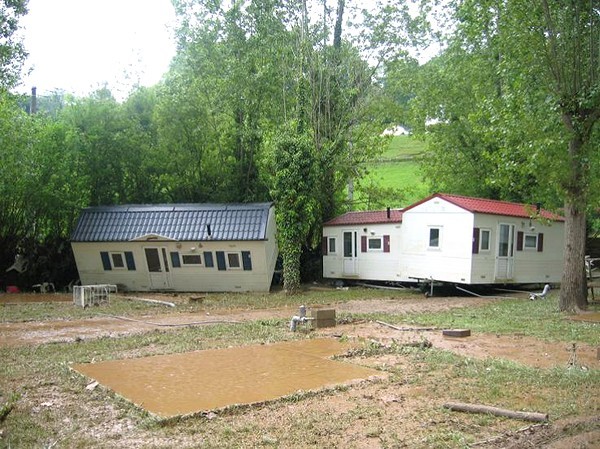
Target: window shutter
520	241
363	244
105	261
175	259
475	241
129	260
540	247
208	259
386	243
221	261
324	245
246	260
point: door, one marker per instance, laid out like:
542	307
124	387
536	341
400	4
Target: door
158	268
505	253
350	253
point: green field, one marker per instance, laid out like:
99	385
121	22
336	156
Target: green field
396	168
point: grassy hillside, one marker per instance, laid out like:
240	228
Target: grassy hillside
396	169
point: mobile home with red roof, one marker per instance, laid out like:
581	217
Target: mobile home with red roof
450	238
363	245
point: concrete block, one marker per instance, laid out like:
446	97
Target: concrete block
323	318
456	333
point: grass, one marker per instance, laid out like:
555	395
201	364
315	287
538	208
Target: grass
122	306
50	406
396	168
539	319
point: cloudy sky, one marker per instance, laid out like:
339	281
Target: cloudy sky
79	45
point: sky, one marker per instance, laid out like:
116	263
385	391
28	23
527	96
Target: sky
79	45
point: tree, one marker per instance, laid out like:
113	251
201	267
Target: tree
294	184
12	52
511	73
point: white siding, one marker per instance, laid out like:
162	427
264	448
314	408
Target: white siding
530	265
451	261
370	265
183	278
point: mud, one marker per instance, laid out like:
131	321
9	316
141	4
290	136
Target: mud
24	298
516	348
189	383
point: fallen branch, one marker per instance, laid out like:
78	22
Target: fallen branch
152	301
478	408
383	323
193	323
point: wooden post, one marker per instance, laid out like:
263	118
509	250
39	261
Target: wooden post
478	408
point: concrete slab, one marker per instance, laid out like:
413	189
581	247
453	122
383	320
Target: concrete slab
194	382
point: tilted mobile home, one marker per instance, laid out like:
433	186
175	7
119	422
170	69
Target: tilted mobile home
363	245
454	239
181	247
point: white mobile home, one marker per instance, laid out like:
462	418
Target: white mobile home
363	246
458	239
463	240
182	247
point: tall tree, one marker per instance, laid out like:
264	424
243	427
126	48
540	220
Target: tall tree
511	73
12	52
293	189
570	37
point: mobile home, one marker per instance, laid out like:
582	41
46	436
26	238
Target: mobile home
181	247
447	238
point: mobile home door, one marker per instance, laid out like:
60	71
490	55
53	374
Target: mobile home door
505	253
158	268
350	253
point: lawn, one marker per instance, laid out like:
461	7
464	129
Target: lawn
44	403
396	168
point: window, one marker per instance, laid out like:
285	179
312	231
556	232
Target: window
434	237
332	245
191	259
375	244
118	261
484	239
530	242
233	260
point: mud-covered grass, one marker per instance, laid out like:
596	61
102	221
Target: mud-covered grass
125	304
51	407
539	319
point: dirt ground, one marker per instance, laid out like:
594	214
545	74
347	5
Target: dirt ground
516	348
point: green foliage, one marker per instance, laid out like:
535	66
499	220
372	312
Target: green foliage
12	52
294	182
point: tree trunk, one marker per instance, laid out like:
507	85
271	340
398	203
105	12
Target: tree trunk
573	290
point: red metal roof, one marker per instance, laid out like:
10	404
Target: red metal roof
366	217
493	207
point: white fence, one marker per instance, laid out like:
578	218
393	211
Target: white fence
93	295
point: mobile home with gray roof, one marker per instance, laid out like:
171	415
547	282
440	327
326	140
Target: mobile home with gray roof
179	247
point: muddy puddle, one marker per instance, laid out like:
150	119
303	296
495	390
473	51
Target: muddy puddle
182	384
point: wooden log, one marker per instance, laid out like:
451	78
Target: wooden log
383	323
478	408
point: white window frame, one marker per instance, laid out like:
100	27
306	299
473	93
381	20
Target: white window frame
374	238
112	260
239	258
535	241
187	264
331	240
489	240
439	238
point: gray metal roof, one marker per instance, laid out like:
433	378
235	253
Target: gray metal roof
180	222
